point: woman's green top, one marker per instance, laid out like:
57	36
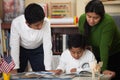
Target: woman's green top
104	38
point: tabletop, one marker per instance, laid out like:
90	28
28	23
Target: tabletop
49	76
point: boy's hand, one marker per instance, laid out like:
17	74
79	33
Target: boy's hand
57	72
73	70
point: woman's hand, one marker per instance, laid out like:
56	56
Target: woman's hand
108	72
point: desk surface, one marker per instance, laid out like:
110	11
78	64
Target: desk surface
76	78
48	76
90	78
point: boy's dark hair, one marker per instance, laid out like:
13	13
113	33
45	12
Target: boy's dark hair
34	13
77	41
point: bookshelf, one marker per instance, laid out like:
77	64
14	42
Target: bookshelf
59	36
7	26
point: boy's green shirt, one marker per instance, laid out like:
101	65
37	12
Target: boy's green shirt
104	38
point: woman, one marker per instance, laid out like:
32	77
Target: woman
103	35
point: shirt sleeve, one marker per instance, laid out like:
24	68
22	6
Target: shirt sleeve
105	43
62	62
47	46
14	44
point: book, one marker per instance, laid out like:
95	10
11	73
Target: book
1	47
59	42
12	9
4	41
4	37
64	42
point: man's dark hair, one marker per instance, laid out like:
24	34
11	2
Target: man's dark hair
76	41
34	13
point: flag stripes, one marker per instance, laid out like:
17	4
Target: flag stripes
6	65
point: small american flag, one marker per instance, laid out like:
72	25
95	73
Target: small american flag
6	64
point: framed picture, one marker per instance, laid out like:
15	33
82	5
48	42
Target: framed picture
12	9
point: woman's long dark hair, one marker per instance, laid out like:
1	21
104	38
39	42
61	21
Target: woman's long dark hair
93	6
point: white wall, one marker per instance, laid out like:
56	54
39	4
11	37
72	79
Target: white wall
80	6
73	3
110	6
77	5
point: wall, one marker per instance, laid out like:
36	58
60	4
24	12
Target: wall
77	5
80	5
110	6
73	3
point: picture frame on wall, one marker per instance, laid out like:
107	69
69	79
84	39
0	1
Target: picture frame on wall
12	9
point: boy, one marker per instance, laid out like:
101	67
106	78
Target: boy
30	40
76	58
